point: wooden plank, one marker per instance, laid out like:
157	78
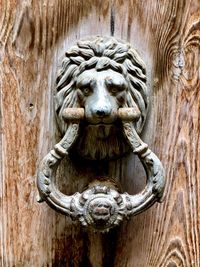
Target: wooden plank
168	234
33	38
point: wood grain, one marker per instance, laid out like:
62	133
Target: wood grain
33	37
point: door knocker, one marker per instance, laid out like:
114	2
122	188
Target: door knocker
101	104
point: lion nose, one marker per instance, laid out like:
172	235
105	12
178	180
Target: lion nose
102	112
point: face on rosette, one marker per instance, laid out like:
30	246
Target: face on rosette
101	209
101	212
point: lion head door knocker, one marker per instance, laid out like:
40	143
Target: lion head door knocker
101	104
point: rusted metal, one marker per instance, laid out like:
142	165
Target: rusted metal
73	113
125	114
129	114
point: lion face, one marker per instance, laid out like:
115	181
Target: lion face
101	93
100	209
101	74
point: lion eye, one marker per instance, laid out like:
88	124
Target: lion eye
86	91
114	90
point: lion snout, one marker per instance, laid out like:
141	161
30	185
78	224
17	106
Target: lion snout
101	111
101	114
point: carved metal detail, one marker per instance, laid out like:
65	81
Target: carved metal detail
101	75
101	86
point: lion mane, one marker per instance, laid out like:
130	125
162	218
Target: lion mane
101	53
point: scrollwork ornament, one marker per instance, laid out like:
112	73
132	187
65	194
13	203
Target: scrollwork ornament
101	104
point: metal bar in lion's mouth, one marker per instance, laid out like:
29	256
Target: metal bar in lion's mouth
125	114
73	113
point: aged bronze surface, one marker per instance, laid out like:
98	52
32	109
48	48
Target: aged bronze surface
101	92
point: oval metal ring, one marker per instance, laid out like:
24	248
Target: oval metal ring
101	206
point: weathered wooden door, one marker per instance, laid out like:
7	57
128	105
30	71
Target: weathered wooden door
33	37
